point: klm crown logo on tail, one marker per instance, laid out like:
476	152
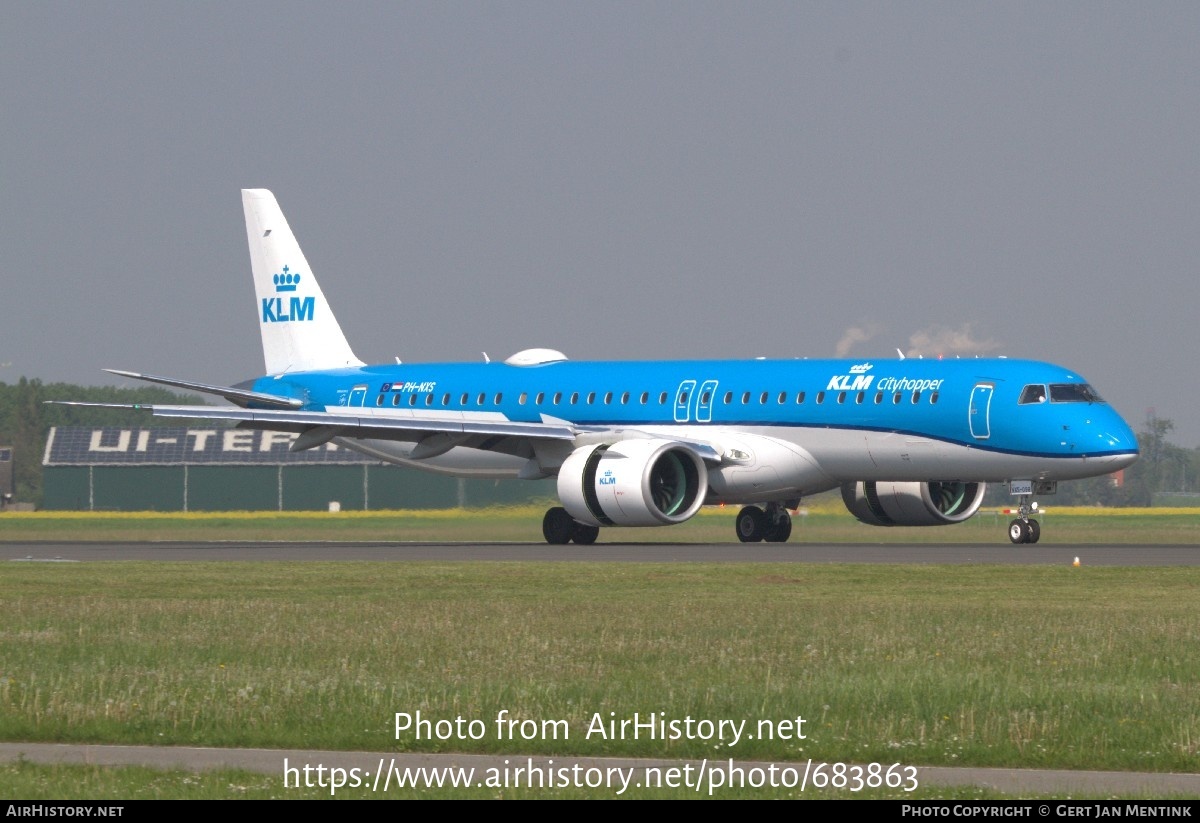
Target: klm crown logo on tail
297	308
286	281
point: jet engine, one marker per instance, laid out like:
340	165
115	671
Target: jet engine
912	504
633	483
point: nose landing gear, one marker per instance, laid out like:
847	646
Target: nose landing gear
1024	529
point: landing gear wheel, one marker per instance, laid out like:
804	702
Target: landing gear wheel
557	526
1019	531
750	524
778	531
1035	531
584	535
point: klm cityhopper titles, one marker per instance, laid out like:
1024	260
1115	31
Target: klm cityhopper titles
908	442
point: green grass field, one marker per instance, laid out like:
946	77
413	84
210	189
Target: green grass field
1057	667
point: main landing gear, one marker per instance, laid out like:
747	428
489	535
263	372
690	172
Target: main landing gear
773	525
1025	529
559	528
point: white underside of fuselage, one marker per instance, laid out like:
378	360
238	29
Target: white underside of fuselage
766	463
458	462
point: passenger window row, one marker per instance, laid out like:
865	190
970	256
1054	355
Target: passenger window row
858	398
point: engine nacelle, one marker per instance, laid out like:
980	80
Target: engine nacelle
912	504
633	483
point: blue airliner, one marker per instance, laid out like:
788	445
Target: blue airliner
910	442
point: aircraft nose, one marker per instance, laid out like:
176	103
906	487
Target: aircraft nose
1119	440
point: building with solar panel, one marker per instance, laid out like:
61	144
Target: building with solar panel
219	469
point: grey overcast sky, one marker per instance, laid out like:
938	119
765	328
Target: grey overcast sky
617	180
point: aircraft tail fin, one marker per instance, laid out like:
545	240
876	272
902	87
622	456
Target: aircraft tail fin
299	332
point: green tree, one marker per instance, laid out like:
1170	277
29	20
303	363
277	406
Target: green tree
25	420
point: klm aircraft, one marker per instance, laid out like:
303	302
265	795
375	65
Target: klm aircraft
910	442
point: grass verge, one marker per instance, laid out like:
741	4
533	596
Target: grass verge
1083	668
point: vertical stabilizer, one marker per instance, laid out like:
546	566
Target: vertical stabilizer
299	332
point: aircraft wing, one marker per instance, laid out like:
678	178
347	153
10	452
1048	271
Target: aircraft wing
351	423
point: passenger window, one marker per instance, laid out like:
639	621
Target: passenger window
799	397
745	397
933	398
782	397
683	398
446	399
645	397
429	400
499	397
728	397
479	400
916	396
557	397
574	397
379	400
820	397
706	397
896	398
878	397
464	399
860	397
624	398
537	401
841	397
395	400
607	398
662	398
522	398
762	400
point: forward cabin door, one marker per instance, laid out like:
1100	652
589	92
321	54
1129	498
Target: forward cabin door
980	413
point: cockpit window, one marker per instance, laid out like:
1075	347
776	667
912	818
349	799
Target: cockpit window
1035	393
1073	393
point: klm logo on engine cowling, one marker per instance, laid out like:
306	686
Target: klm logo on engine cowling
295	309
857	380
608	479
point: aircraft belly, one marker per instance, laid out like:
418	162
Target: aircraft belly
458	461
772	467
909	460
900	455
849	455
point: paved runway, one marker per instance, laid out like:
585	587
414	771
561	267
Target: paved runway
998	553
1019	782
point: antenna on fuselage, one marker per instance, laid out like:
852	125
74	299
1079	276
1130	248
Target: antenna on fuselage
486	359
900	353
